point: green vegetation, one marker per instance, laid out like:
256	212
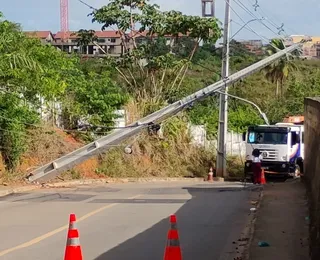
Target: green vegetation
30	70
149	76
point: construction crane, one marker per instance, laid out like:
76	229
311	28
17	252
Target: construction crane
68	161
64	17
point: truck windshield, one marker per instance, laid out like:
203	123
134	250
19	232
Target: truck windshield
267	138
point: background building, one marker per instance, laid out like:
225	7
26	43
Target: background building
109	41
311	49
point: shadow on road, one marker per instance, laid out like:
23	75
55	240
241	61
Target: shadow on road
207	224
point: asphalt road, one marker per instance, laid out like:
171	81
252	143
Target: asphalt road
125	221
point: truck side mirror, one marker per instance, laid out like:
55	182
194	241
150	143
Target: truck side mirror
244	136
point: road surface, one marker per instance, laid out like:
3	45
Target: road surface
125	221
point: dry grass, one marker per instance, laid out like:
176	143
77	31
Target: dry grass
159	158
44	145
172	156
235	166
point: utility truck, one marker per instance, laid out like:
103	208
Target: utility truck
281	147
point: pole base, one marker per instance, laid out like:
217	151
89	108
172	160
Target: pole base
219	179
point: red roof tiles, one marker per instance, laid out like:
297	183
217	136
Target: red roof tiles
99	34
38	34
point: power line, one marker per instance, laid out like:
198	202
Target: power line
251	30
245	8
248	26
259	35
256	9
242	6
260	10
87	5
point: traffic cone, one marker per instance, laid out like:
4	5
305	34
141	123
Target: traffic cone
173	251
210	175
73	248
263	178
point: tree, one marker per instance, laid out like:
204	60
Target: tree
85	37
279	71
12	55
30	71
15	118
152	76
94	100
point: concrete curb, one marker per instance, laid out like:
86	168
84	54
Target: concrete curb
120	180
249	230
64	184
12	190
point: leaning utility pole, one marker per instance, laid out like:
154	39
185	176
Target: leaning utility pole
221	166
66	162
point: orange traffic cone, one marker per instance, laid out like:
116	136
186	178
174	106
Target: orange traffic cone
73	248
173	251
263	178
210	174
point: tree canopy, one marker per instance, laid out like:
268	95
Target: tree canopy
30	72
170	55
157	55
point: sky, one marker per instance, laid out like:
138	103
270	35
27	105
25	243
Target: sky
298	16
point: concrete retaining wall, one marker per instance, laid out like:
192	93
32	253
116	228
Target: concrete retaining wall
312	171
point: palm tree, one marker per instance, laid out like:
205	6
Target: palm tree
279	71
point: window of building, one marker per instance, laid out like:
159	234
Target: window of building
101	40
113	40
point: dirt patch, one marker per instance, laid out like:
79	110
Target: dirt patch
45	144
171	156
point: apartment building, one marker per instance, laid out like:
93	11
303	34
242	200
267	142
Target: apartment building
109	42
310	49
253	46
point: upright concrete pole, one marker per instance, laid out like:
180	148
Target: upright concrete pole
223	110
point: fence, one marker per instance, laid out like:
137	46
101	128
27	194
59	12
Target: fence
311	171
52	112
235	145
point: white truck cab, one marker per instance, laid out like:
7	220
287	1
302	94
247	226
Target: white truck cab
281	147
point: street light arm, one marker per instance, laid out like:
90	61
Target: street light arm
252	20
263	115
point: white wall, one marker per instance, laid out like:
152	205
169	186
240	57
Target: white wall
235	145
51	112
